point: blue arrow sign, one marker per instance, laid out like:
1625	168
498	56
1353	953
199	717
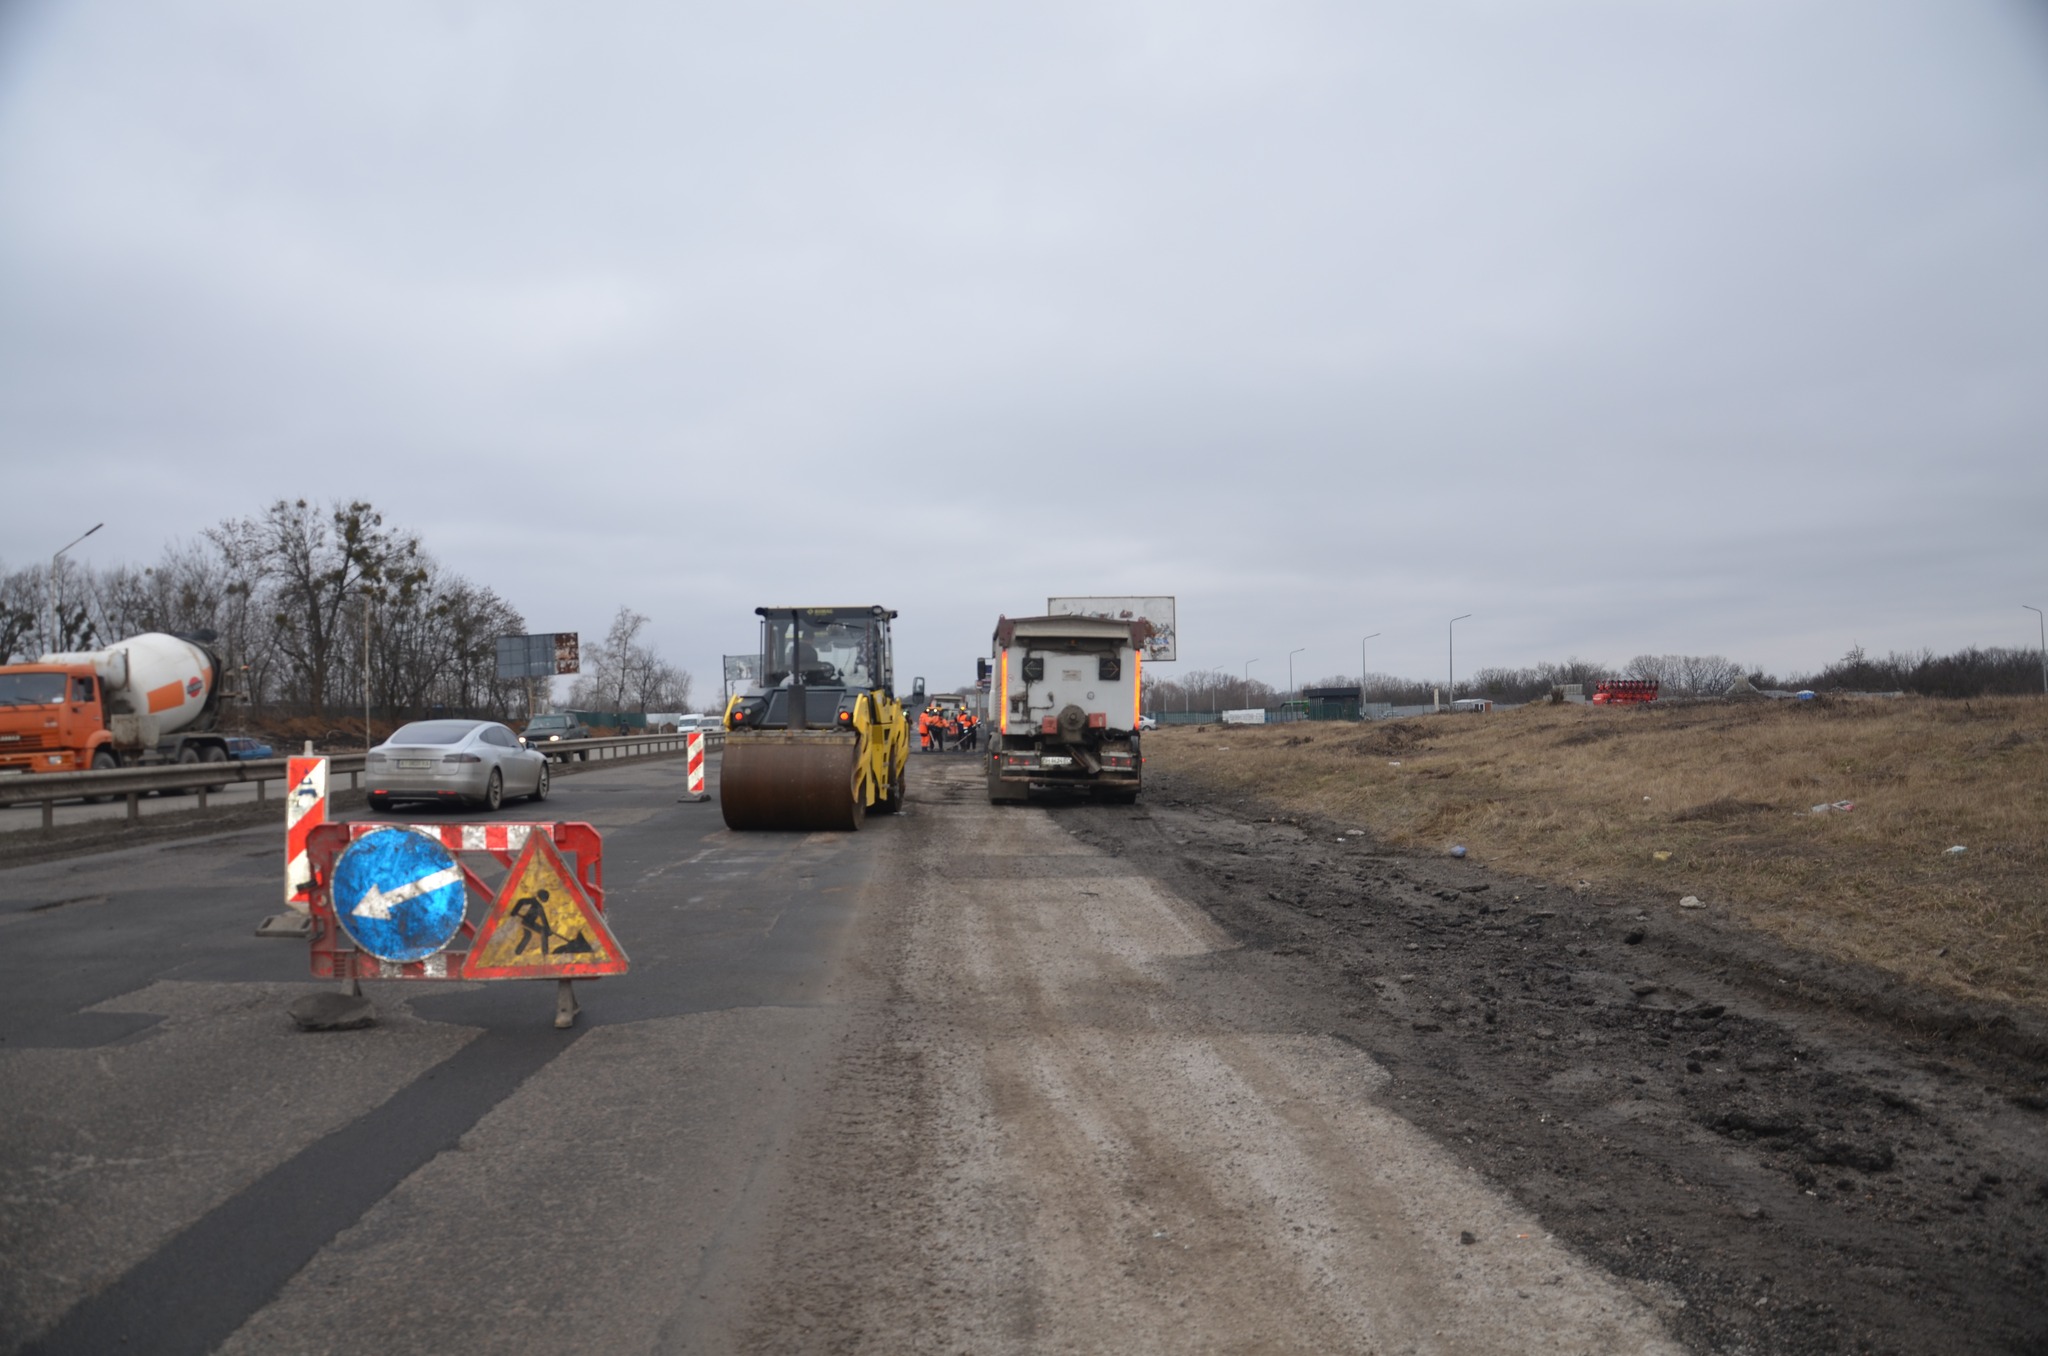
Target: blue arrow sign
398	894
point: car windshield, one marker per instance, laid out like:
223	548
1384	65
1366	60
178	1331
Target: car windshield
31	689
433	732
548	723
834	648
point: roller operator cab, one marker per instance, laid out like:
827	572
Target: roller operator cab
821	740
1064	706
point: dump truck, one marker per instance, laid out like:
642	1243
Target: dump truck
152	698
1064	701
820	740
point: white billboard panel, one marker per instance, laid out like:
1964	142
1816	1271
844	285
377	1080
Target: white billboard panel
1160	647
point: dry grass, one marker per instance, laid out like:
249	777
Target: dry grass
1574	793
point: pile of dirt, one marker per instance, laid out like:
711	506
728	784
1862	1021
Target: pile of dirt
1808	1156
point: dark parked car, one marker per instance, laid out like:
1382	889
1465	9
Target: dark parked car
243	748
542	731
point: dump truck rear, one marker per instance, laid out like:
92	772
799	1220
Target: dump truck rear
1064	700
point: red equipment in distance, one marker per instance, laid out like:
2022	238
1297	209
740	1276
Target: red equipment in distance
1622	691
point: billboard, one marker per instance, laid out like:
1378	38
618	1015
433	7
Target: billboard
539	656
1160	646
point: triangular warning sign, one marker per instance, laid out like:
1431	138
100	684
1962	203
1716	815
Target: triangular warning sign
542	925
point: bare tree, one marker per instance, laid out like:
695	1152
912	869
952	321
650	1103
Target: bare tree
1691	674
20	612
315	563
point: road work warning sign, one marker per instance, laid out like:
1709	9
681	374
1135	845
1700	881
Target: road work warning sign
543	926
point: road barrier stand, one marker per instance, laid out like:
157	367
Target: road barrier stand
305	809
391	901
696	758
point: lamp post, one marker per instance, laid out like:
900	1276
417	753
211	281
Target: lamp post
1451	694
2042	621
56	617
1292	693
1361	674
1248	681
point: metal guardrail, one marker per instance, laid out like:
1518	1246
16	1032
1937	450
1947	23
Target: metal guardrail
133	783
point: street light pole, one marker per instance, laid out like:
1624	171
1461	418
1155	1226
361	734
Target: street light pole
56	619
1361	674
1292	693
1451	695
1248	681
2043	623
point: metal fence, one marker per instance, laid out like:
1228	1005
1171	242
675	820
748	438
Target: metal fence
133	783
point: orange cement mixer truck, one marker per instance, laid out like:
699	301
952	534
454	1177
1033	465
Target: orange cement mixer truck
151	698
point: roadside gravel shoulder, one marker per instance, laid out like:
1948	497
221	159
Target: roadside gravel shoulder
1812	1159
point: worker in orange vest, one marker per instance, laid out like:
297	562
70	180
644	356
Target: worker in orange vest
924	731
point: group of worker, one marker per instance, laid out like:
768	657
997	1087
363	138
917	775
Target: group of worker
936	730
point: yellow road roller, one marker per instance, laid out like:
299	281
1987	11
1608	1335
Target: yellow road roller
820	740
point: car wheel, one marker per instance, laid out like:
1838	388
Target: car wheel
494	790
540	785
381	804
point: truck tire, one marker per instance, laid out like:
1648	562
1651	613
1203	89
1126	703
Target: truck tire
381	804
187	757
103	760
1001	792
215	754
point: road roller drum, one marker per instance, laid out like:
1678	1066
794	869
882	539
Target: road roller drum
791	779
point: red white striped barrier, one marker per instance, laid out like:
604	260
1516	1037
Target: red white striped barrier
462	837
305	809
696	758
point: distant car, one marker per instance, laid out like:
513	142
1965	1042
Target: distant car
477	762
242	748
706	723
1148	723
542	731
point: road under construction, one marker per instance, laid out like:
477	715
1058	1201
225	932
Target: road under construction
1062	1076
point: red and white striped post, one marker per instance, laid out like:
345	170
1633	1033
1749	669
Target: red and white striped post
695	746
305	809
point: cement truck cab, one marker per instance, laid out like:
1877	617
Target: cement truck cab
50	718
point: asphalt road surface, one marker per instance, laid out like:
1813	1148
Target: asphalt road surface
957	1082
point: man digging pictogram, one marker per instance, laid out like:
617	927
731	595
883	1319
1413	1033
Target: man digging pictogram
531	911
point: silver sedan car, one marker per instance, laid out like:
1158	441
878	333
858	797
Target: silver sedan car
475	762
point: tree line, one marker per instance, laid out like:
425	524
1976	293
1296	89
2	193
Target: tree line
313	608
1970	672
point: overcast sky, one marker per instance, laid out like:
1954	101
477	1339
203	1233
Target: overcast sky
1685	325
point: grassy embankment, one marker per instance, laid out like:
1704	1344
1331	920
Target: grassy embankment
1575	793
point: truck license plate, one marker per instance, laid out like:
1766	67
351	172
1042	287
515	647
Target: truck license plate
415	764
1055	760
